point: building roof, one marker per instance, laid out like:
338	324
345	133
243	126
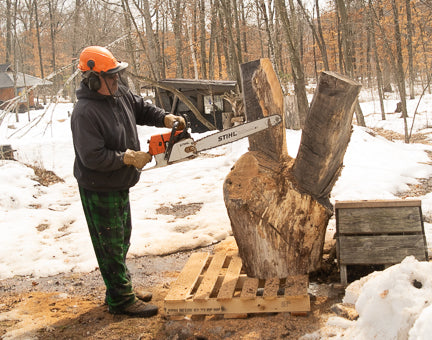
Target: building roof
7	78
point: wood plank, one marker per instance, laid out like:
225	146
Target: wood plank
380	249
249	289
344	274
210	277
379	220
271	288
377	203
231	278
188	277
296	285
237	306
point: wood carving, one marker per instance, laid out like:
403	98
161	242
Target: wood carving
278	206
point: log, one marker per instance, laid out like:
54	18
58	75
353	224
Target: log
326	135
278	217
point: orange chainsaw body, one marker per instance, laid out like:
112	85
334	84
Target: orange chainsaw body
158	143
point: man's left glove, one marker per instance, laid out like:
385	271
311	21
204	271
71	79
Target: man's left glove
136	158
170	119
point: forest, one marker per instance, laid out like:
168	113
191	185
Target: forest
383	44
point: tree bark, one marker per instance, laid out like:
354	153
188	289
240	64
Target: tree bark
278	206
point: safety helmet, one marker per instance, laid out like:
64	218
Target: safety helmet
100	60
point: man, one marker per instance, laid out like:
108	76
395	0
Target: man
107	164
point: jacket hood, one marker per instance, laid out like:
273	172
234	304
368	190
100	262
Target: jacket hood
84	92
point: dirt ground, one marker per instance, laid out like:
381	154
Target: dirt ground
70	305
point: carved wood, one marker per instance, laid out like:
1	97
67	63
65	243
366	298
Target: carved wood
278	217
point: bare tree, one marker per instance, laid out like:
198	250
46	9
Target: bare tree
378	71
53	32
203	54
409	35
237	30
153	46
265	12
317	31
400	75
348	52
233	60
295	57
8	31
38	39
176	8
213	28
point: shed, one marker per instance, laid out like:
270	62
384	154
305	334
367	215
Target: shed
10	89
208	96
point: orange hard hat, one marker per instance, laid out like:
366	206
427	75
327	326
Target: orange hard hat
100	60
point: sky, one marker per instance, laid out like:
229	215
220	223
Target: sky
44	230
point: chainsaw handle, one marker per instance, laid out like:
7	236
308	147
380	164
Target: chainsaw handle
171	139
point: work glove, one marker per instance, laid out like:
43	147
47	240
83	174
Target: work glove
170	119
136	158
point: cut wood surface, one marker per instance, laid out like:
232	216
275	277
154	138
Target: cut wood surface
278	217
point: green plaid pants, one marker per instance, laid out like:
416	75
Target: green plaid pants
109	222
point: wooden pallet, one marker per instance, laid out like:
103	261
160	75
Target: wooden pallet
210	285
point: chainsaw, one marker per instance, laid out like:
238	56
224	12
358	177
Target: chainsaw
178	145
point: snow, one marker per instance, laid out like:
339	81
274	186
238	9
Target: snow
44	230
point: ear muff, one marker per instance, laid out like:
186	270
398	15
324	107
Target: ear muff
93	82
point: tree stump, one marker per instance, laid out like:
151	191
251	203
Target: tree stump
278	206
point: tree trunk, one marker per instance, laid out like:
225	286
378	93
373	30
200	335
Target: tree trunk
317	32
8	31
213	25
409	36
153	45
379	76
237	32
348	51
40	46
233	59
53	43
75	51
203	39
399	70
295	59
279	207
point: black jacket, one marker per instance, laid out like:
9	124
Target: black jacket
103	127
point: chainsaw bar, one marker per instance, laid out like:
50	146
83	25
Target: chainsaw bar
236	133
166	153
